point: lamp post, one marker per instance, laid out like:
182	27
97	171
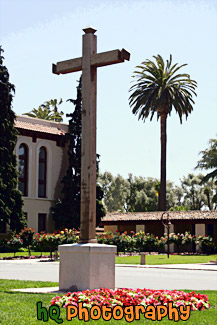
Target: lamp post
166	223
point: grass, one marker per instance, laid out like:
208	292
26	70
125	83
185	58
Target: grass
25	253
20	308
163	259
150	259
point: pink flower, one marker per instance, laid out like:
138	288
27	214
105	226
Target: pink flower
128	297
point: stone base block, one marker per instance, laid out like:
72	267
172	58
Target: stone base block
86	266
142	258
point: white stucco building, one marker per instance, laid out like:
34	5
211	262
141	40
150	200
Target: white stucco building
42	162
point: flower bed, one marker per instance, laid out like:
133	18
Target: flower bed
134	242
132	297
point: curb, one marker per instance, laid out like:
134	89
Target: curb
164	267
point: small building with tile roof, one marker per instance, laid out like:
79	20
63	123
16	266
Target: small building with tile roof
196	222
42	161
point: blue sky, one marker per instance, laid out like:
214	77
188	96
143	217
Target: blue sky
35	34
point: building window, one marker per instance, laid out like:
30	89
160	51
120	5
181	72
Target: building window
23	169
42	172
42	222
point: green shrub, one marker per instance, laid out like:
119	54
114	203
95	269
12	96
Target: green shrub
146	242
15	243
27	237
181	239
5	247
206	244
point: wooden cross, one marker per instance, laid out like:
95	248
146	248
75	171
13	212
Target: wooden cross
88	63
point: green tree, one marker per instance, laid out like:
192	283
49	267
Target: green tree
10	197
210	190
159	89
209	161
143	194
56	115
115	191
174	196
136	194
48	111
194	196
66	212
175	193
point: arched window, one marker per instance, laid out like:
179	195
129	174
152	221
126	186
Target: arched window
42	172
23	169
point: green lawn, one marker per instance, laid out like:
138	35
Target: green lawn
23	254
150	259
20	308
163	259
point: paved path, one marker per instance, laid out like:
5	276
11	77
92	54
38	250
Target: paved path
165	278
201	266
181	276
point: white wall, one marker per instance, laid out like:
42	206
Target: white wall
56	167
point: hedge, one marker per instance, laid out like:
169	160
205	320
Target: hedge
133	242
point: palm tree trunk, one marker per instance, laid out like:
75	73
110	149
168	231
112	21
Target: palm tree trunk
208	199
162	194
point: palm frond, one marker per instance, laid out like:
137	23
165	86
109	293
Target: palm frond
158	87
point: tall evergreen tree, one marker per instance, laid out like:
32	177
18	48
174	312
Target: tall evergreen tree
10	197
66	212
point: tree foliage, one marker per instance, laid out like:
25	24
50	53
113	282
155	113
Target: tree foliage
136	194
10	197
115	190
194	196
209	160
158	89
48	111
140	194
66	212
143	194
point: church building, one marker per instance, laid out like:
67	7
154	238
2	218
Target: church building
42	162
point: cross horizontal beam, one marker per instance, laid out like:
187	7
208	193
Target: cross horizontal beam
110	57
97	60
67	66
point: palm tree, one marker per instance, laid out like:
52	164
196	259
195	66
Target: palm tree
42	113
158	89
47	111
209	161
56	116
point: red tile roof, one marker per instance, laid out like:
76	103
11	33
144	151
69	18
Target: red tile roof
40	126
174	215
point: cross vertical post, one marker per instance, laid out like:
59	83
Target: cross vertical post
88	143
88	265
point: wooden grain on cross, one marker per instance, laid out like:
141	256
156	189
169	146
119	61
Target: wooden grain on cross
97	60
88	64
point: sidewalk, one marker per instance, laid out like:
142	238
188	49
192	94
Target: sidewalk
197	267
190	276
201	266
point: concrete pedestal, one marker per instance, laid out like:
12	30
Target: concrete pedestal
142	258
86	266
